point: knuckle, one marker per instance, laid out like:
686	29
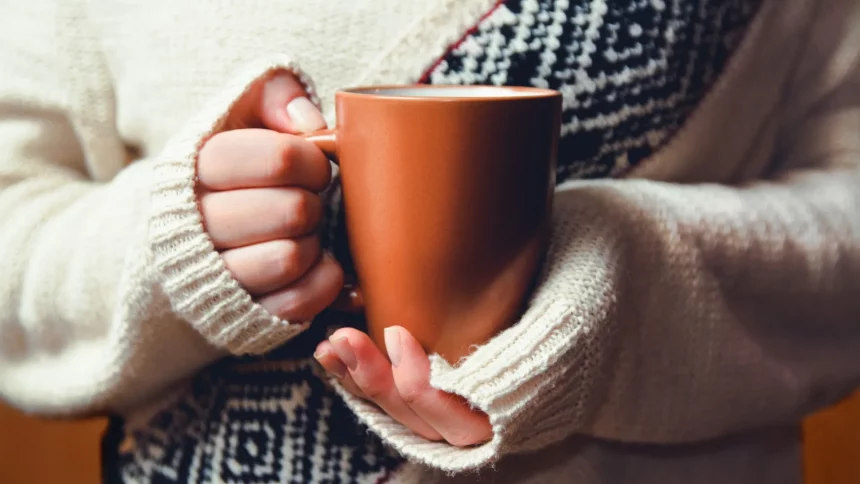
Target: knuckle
374	391
413	392
293	307
300	305
326	170
334	276
351	334
285	159
352	388
295	214
282	82
306	210
309	249
461	438
309	300
286	257
316	211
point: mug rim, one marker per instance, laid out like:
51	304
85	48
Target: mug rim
385	92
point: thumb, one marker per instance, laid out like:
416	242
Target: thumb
279	103
284	106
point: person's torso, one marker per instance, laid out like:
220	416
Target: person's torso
632	72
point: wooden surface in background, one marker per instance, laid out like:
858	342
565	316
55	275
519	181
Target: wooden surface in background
34	451
832	438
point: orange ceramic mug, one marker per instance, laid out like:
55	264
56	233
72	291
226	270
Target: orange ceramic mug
447	195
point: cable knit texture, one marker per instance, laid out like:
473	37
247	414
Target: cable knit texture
703	300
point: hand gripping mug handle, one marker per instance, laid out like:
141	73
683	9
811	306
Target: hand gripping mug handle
350	299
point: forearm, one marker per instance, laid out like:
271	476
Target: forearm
111	289
732	307
117	287
82	315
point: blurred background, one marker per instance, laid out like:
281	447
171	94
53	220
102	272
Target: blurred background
33	451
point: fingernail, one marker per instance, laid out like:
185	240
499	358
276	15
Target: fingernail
332	364
344	352
304	115
392	345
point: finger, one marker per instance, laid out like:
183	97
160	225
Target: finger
238	218
450	415
252	158
285	107
327	358
265	267
371	372
308	296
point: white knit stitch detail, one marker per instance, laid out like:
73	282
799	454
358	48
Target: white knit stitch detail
619	80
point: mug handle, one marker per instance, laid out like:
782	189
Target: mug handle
325	140
350	299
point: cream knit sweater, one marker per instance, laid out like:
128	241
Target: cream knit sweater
711	295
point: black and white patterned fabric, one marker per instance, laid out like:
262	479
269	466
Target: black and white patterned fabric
631	72
253	420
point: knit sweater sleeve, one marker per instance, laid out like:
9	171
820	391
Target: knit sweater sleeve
676	313
110	290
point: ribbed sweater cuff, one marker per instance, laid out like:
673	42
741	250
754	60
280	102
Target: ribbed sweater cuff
200	288
526	380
